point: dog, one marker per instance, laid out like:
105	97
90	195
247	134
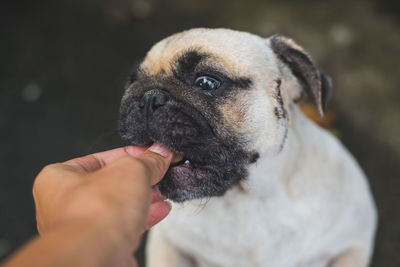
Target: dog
259	184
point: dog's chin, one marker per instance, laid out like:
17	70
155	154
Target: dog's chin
188	180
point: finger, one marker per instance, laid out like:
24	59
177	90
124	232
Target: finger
98	160
129	261
157	212
157	159
132	263
53	180
135	151
156	196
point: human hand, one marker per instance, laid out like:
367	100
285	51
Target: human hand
111	188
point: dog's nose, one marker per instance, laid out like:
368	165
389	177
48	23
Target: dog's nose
153	99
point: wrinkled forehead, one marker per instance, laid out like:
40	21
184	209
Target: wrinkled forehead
235	52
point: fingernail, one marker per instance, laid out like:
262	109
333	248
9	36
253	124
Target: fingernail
135	151
160	149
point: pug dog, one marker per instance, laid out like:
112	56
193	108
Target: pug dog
258	184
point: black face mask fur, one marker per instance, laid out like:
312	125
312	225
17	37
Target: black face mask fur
211	164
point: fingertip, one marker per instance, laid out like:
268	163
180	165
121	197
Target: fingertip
157	158
158	211
161	150
135	151
156	196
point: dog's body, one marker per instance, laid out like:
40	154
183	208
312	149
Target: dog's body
307	207
292	195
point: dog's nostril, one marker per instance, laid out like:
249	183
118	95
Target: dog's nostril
159	100
153	100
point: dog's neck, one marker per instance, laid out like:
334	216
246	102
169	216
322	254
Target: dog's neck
278	169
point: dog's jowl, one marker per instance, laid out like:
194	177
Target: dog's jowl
259	184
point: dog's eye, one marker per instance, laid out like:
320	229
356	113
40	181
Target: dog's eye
207	83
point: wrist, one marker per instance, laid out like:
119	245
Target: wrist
83	242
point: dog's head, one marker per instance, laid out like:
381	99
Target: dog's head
220	98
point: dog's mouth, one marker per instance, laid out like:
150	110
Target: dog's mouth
192	175
198	170
179	163
179	160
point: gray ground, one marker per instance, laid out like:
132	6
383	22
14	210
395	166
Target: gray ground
64	64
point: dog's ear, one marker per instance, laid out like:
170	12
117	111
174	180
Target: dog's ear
317	84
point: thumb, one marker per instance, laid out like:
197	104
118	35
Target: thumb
157	159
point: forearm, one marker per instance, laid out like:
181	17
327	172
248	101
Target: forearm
79	244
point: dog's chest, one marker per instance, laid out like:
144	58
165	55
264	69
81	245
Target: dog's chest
241	232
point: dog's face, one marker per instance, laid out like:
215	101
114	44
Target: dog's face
220	98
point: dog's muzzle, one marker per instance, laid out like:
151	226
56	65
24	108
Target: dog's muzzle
209	166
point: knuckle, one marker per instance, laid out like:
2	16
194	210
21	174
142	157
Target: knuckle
151	164
46	172
144	167
137	166
156	164
153	161
49	169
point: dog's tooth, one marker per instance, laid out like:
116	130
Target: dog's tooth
187	161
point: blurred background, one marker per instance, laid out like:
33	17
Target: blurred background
63	66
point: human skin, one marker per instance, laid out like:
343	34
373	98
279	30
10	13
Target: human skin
92	211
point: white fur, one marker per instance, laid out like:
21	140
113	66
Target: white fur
308	205
303	208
